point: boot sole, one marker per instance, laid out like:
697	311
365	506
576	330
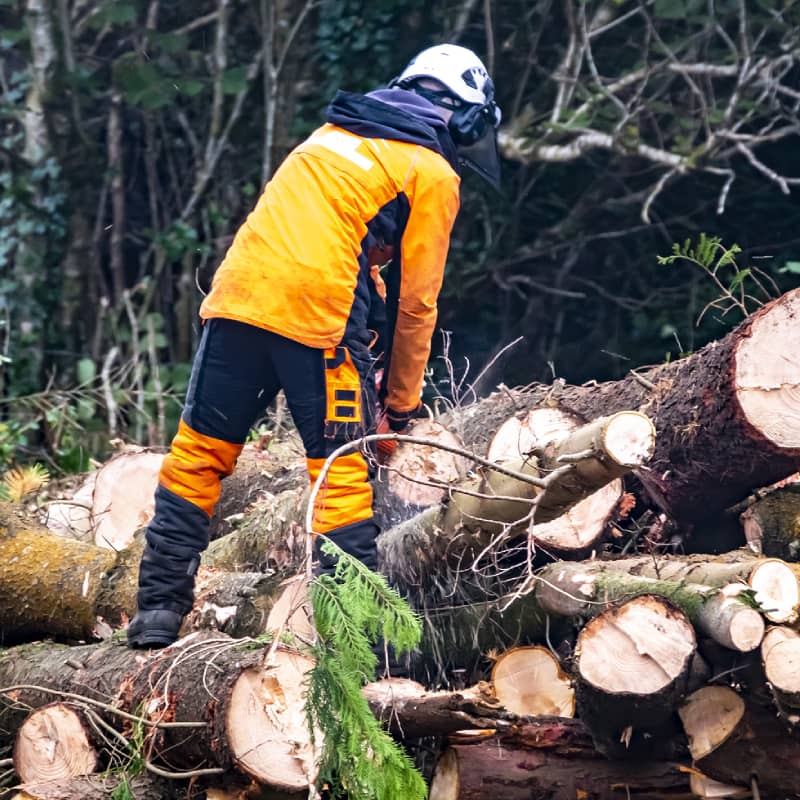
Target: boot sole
158	638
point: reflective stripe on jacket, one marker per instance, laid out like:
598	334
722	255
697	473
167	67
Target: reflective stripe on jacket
298	266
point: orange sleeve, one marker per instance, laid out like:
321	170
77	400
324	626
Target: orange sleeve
424	246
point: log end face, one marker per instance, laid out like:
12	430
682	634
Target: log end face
767	373
782	666
445	784
746	630
52	745
267	731
709	716
529	681
777	591
629	439
639	647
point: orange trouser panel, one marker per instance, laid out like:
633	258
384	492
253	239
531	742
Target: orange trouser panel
345	496
343	390
194	466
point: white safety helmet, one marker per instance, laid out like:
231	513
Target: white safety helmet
467	91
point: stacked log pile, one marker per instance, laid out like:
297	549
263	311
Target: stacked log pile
583	639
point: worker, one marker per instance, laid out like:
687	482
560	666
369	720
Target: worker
290	308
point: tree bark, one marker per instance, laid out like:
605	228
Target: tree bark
54	586
733	741
246	713
632	668
726	416
772	524
585	589
411	711
546	759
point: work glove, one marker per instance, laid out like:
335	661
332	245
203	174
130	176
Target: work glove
391	421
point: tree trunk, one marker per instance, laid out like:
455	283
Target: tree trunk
775	583
495	505
585	589
726	416
772	524
270	536
100	787
81	591
734	742
632	668
245	712
546	759
54	586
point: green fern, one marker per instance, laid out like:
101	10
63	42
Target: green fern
353	611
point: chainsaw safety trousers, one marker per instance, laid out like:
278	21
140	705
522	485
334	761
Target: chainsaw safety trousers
237	372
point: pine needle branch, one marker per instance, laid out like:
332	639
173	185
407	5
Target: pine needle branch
354	610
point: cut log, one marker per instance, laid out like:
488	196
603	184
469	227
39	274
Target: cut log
780	655
236	603
270	537
774	583
412	712
54	586
579	530
601	451
246	713
69	590
632	667
117	500
123	499
100	787
734	742
584	589
529	682
772	524
547	759
494	505
417	476
726	416
54	744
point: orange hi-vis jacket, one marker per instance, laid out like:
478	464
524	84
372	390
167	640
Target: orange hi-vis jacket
379	176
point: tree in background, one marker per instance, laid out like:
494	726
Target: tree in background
135	135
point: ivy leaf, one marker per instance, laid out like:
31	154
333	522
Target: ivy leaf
234	80
669	9
86	371
792	267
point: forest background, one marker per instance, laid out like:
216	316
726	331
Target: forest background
135	136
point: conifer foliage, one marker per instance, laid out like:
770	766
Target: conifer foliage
354	611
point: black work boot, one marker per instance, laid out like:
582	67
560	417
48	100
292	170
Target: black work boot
166	594
153	628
